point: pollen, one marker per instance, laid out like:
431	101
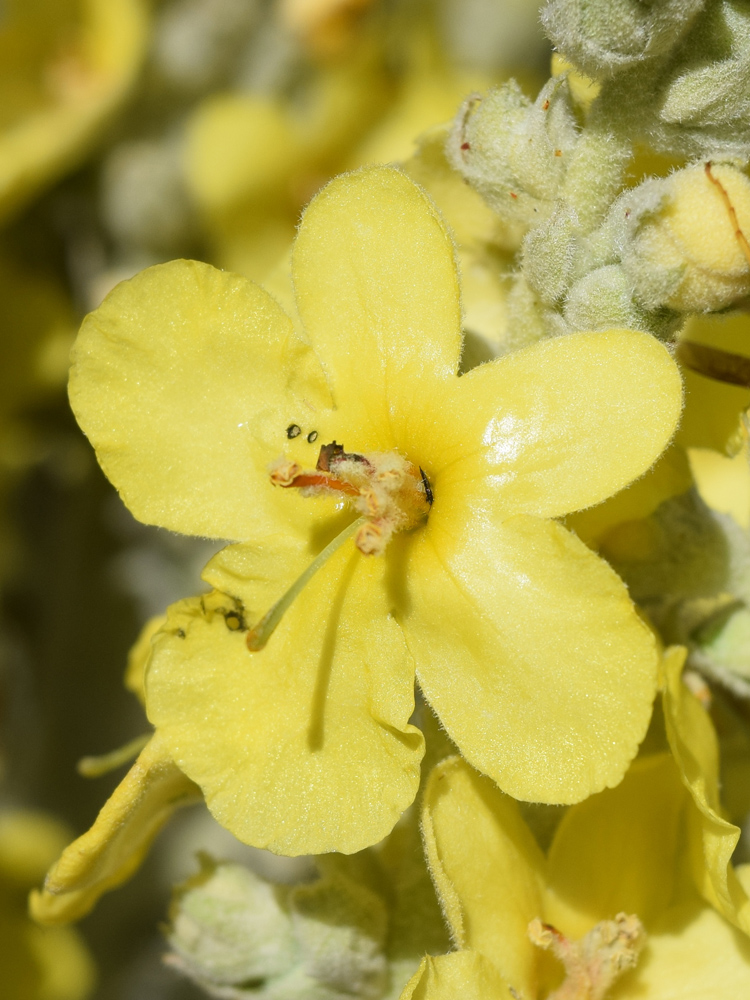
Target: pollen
594	963
386	488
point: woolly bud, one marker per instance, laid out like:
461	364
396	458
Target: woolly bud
687	248
605	38
512	151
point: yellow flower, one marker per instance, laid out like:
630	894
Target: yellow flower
615	868
64	66
35	963
190	381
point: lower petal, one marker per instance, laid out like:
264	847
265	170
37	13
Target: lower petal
303	747
464	974
531	653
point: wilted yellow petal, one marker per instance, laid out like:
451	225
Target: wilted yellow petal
487	868
522	619
185	379
713	839
109	853
464	974
305	746
377	291
561	425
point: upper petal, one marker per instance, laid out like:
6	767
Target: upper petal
109	853
377	291
617	851
305	746
185	380
487	868
531	653
558	426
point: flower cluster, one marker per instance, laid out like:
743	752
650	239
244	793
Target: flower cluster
454	415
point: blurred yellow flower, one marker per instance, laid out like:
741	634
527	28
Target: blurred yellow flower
190	381
36	963
615	868
64	66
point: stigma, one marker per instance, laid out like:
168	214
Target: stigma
388	491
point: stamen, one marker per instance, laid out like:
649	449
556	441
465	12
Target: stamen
95	767
258	636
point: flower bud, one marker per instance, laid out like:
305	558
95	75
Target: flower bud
603	299
514	152
695	102
605	38
687	249
230	928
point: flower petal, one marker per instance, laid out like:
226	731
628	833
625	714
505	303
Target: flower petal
464	974
305	746
185	379
617	851
558	426
377	291
531	653
712	839
111	851
487	868
691	954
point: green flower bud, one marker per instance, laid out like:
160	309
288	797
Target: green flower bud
697	102
240	936
514	152
605	38
549	254
228	927
603	298
686	247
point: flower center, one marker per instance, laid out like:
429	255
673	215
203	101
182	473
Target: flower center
594	963
388	491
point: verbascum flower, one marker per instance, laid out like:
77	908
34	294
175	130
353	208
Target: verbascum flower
612	900
63	69
36	963
427	544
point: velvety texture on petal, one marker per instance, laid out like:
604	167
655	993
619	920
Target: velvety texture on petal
109	853
464	974
528	648
691	954
185	380
305	746
558	426
487	868
713	839
377	292
617	851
